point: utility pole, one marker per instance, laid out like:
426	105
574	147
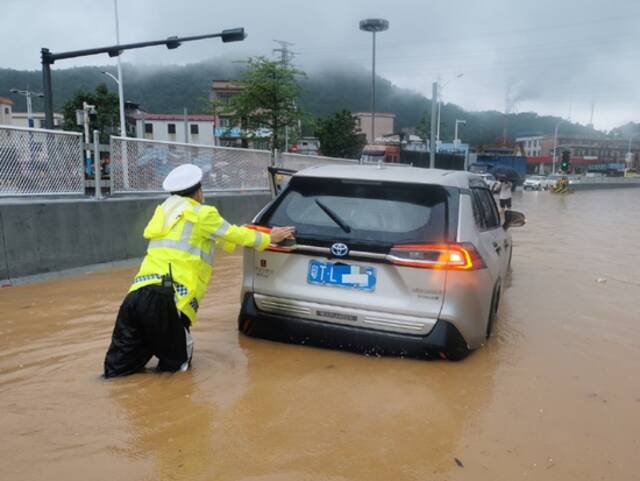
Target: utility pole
186	125
82	118
440	89
456	140
434	107
286	56
555	146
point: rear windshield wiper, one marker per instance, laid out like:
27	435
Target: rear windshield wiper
334	217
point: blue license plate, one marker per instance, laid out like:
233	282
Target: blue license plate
339	274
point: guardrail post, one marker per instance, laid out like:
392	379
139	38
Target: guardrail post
125	161
97	174
112	166
83	176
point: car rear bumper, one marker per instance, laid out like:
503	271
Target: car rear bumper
444	340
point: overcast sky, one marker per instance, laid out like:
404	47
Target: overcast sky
550	56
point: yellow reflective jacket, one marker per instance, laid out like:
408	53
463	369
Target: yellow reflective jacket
184	233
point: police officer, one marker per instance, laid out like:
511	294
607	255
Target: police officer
156	316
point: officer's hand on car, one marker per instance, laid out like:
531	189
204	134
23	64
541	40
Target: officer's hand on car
278	234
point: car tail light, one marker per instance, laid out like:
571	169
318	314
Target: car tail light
267	230
259	228
463	257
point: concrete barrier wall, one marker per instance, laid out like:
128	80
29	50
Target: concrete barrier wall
51	235
604	185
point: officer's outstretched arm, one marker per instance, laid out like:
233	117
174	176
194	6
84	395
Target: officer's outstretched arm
216	228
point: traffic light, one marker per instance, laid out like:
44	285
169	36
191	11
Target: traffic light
565	165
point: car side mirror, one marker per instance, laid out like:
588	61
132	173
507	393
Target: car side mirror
513	218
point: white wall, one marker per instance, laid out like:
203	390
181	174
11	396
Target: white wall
5	114
384	125
161	131
20	120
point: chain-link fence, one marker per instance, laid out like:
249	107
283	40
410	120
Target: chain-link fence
36	162
140	166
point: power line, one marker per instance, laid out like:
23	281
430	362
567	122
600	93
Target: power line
286	55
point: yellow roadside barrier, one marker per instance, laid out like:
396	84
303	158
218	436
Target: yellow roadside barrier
561	187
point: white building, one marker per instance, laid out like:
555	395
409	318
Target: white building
197	129
308	146
20	119
6	107
531	144
383	126
171	128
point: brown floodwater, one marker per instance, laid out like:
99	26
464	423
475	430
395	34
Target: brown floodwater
554	395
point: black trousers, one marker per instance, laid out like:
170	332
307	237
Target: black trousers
148	324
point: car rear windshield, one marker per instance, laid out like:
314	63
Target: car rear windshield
370	212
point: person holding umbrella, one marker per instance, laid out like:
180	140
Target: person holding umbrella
507	178
503	187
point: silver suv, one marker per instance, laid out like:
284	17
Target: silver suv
387	261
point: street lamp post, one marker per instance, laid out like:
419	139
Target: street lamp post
555	146
373	25
28	94
440	89
456	140
123	125
48	57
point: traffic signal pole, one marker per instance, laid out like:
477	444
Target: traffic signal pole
48	58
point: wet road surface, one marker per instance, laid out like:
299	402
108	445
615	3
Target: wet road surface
554	395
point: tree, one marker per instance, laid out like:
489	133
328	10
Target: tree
268	98
107	111
339	137
423	127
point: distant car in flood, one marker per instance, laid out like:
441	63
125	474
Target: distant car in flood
410	262
533	182
489	179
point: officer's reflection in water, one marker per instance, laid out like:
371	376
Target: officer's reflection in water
162	304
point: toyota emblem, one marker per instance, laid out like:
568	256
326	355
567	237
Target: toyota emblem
339	249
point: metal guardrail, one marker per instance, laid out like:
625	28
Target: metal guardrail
40	162
140	165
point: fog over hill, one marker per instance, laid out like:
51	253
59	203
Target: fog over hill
169	89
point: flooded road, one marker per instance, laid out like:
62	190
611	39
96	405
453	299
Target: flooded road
554	395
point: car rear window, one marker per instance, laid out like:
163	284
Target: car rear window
375	212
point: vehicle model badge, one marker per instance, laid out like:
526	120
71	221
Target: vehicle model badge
339	249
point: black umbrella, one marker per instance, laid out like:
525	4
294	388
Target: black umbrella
502	172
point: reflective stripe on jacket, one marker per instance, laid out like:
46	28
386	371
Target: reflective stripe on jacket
184	234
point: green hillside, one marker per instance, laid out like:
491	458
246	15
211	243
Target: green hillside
168	89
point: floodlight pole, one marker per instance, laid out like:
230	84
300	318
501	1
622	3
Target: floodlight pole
48	58
373	25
